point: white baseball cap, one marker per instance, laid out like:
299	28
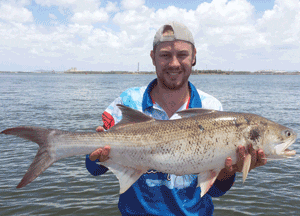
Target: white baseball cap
171	32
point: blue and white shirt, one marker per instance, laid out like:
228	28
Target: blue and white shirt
156	193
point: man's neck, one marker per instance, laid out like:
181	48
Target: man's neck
170	100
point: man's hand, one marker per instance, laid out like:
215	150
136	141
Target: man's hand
257	159
99	129
100	153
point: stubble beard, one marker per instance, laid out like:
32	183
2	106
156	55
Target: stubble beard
170	84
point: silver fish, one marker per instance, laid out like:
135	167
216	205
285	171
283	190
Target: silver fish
198	143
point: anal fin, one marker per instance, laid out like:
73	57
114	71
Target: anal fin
127	175
206	180
246	166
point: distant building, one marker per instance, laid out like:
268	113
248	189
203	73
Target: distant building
271	71
73	69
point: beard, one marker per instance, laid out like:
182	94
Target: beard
173	82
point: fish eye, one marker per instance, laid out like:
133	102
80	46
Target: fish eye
287	133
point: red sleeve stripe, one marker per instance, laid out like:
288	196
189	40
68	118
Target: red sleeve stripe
108	120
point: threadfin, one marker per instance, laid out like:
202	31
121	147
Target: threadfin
246	166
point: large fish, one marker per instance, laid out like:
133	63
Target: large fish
198	143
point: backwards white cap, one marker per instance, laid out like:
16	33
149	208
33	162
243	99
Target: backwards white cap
171	32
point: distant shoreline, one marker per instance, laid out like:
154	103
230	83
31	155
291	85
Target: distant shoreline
196	72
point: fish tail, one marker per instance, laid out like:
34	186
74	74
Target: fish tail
43	158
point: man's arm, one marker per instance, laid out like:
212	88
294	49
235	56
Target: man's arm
94	168
226	176
109	117
99	155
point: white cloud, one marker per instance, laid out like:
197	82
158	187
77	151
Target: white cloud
15	14
281	25
173	13
111	7
226	33
132	17
52	16
82	12
90	17
73	5
132	4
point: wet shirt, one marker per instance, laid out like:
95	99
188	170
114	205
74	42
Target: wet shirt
156	193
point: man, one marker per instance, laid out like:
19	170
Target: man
156	193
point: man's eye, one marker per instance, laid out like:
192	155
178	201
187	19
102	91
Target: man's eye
182	55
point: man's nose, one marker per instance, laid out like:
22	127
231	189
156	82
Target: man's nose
174	62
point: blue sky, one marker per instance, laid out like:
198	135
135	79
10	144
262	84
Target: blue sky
115	35
41	13
260	5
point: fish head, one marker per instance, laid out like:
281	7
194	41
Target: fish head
272	137
279	138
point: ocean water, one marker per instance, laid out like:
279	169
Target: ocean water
75	103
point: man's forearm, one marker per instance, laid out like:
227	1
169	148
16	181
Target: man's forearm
94	168
219	188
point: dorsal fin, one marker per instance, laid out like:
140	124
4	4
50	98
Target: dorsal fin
130	116
194	112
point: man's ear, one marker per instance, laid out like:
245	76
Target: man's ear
194	57
152	55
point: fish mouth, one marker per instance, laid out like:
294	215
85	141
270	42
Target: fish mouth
282	149
289	153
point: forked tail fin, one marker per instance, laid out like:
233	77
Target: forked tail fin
43	158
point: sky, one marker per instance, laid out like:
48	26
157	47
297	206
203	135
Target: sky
102	35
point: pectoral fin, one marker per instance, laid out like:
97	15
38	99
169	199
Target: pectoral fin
206	180
246	167
127	175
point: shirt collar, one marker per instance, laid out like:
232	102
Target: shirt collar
195	101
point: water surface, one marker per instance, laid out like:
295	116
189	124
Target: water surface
75	102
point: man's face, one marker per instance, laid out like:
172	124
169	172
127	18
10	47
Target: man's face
173	61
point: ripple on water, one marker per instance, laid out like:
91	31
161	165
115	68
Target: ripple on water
75	102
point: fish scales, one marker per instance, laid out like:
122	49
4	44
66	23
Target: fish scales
180	148
198	143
